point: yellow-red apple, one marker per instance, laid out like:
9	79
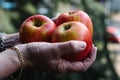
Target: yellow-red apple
37	28
73	30
79	15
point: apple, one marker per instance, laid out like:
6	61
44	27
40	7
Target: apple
73	30
37	28
79	15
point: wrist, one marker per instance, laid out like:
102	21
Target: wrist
9	63
24	53
13	57
16	60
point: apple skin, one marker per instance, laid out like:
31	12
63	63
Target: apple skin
37	28
73	30
79	15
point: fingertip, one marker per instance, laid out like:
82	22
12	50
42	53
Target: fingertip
71	47
94	51
95	48
83	45
78	45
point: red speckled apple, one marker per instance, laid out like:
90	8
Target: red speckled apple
80	16
73	30
37	28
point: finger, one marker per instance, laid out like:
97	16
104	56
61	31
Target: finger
90	59
63	66
69	47
79	66
54	19
93	54
60	66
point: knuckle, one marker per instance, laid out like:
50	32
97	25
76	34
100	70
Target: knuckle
72	44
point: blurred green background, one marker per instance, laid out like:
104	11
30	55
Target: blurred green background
102	13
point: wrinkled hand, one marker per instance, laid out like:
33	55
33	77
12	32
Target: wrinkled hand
11	40
47	56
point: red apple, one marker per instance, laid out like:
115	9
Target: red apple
80	16
73	30
37	28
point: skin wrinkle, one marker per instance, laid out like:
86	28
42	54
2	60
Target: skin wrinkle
62	67
90	59
31	49
76	66
44	53
61	64
85	65
10	41
9	44
72	47
50	60
56	51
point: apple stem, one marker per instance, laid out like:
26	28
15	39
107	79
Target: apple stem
72	12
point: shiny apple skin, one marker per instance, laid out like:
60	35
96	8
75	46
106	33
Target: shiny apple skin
73	30
79	15
37	28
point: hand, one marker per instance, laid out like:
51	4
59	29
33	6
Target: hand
11	40
47	56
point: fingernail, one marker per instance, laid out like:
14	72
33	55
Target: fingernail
83	45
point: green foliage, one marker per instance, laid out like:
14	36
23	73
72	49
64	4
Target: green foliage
5	23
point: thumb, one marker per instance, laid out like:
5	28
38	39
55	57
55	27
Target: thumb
70	47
